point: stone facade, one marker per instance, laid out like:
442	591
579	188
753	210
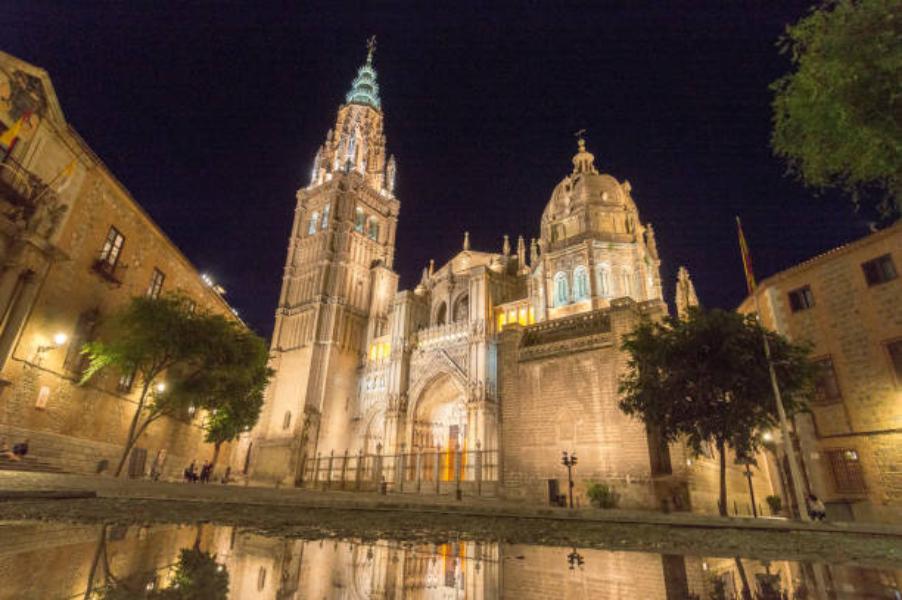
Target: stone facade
75	247
847	303
493	364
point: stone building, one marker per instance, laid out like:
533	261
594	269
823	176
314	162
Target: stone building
489	368
847	303
74	247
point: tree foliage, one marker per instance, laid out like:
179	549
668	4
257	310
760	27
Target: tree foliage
838	114
706	379
182	358
197	577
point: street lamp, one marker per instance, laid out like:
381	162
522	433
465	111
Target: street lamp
569	461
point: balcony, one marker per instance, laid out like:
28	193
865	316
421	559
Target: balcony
27	200
442	334
111	273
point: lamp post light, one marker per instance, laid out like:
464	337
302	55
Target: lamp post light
569	461
59	339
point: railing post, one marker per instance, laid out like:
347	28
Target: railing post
331	463
317	468
401	468
457	468
478	468
377	466
419	469
438	466
344	468
358	475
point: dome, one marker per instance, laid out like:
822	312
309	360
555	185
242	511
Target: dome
584	187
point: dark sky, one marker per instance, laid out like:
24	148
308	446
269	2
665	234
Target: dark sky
210	113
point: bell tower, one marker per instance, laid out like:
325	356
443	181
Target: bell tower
337	288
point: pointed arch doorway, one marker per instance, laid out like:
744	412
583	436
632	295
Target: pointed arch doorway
440	423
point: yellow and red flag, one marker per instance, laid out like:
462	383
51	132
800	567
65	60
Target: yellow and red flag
746	259
8	137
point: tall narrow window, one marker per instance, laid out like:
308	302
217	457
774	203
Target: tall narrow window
895	355
314	223
359	220
801	299
847	473
373	230
561	289
156	284
112	247
326	210
76	362
580	283
879	270
604	281
826	387
626	279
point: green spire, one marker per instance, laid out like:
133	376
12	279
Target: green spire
364	88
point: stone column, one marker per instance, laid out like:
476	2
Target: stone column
478	467
358	475
401	468
419	469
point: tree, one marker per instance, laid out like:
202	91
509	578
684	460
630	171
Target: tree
705	379
176	353
838	116
239	394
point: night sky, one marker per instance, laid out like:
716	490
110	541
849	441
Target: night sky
211	114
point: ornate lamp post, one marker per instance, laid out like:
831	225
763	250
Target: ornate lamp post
569	461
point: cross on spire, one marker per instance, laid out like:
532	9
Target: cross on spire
580	140
370	48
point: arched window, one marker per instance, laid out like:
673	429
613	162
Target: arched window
359	220
441	314
314	223
462	308
315	173
604	281
580	283
561	289
326	210
626	288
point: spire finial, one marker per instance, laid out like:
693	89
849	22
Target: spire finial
580	139
466	240
370	48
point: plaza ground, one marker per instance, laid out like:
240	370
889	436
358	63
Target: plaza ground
427	518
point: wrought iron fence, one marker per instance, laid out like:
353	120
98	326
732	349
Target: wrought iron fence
434	470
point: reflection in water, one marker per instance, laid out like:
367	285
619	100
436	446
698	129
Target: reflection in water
202	562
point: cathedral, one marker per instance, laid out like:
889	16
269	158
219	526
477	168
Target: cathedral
495	363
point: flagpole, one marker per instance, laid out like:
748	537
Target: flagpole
788	444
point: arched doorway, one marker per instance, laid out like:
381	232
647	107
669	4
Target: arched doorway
440	422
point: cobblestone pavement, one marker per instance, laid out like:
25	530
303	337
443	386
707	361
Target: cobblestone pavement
315	514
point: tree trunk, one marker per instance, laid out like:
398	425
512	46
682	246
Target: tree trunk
130	438
216	448
721	448
92	573
746	591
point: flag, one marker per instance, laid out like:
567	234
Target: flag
746	259
10	135
64	177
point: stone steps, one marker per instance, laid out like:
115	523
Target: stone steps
29	464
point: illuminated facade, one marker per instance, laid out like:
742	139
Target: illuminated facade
75	247
506	357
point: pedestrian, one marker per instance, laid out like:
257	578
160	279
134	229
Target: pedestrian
816	509
21	449
190	473
205	472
